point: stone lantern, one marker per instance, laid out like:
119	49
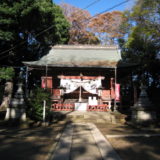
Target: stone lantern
17	107
143	111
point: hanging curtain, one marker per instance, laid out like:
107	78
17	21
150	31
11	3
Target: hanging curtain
69	85
92	86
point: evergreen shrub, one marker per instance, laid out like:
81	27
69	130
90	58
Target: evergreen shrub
35	104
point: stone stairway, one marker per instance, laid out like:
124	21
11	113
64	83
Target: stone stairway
87	117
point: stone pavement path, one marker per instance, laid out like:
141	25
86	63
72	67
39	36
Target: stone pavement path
83	141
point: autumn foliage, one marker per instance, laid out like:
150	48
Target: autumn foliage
104	28
78	18
107	26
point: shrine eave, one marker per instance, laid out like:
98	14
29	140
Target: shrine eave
122	65
81	57
90	65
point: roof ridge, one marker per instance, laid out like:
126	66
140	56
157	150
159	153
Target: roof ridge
85	47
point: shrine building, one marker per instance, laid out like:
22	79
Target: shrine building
81	78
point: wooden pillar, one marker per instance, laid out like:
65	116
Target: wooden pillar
115	82
80	88
80	94
112	88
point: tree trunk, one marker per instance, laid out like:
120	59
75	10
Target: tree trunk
7	95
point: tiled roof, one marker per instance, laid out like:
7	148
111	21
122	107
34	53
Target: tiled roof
81	56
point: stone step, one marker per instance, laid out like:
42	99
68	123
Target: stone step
87	117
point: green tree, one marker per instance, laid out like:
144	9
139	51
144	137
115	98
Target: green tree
142	30
27	29
32	26
6	73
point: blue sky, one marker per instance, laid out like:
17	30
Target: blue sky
98	7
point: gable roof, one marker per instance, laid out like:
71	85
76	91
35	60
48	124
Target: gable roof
80	56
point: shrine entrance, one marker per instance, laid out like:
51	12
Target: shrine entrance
80	98
81	93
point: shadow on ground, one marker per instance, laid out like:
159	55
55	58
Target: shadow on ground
130	147
28	143
34	143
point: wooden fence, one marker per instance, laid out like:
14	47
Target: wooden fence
71	107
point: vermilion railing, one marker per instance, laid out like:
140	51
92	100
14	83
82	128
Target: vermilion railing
99	108
62	107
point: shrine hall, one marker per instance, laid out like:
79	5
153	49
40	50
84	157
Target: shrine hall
81	78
